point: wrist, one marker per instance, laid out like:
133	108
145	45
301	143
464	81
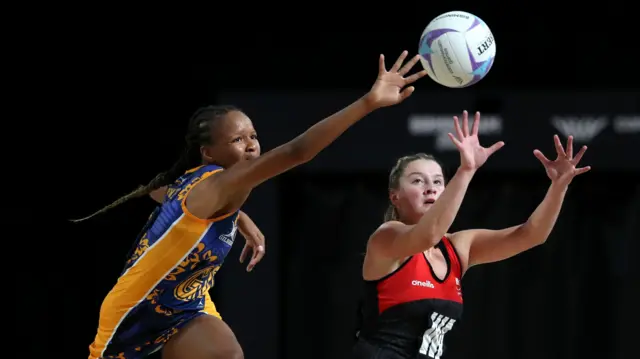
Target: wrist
466	171
558	188
370	102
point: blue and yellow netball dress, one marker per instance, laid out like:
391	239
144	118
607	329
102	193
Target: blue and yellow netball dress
167	277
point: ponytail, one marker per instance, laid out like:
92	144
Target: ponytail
160	180
391	214
198	134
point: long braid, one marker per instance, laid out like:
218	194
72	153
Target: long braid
198	134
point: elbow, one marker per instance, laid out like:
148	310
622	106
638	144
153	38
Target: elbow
299	153
540	240
533	237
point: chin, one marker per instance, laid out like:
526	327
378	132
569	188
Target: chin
425	207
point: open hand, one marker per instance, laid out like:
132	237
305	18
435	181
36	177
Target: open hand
388	88
563	168
472	154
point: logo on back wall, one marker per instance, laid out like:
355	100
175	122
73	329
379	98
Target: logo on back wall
583	129
629	124
439	125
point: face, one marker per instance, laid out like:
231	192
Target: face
234	140
419	187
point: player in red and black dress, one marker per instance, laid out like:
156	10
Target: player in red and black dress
413	267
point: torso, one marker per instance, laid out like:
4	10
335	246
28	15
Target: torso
409	311
189	251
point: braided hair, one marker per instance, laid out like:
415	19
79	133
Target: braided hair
198	134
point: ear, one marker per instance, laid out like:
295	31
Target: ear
205	152
393	197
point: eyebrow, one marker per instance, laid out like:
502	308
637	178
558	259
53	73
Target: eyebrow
420	174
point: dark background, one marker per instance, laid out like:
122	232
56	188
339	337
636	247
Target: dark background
125	84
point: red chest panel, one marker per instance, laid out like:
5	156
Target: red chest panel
415	280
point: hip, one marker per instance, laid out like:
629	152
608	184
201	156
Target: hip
141	328
364	349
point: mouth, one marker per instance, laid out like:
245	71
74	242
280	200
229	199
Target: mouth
430	201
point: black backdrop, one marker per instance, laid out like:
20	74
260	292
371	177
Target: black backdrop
572	297
123	95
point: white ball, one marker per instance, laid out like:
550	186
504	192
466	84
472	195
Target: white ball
457	49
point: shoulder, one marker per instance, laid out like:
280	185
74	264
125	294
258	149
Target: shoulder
386	233
467	237
462	240
159	194
377	262
388	228
198	174
462	236
208	169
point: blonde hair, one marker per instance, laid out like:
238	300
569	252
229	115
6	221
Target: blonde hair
391	214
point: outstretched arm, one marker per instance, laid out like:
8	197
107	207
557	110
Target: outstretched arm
396	240
477	246
226	191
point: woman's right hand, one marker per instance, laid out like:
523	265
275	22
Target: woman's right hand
472	154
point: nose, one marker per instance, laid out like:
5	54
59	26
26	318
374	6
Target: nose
251	146
429	190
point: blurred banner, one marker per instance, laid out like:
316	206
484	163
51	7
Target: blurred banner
608	122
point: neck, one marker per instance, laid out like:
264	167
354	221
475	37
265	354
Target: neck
409	221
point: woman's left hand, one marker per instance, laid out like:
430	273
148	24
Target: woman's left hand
254	241
563	168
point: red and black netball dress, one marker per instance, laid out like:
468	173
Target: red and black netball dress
407	313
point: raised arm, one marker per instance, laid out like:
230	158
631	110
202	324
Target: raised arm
396	240
226	191
477	246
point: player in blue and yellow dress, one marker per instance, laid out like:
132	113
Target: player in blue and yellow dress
171	270
161	300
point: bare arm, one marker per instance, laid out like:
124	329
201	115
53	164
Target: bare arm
255	241
227	190
478	246
246	226
397	240
248	174
158	194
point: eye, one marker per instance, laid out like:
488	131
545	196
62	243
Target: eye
416	181
254	137
437	181
237	139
